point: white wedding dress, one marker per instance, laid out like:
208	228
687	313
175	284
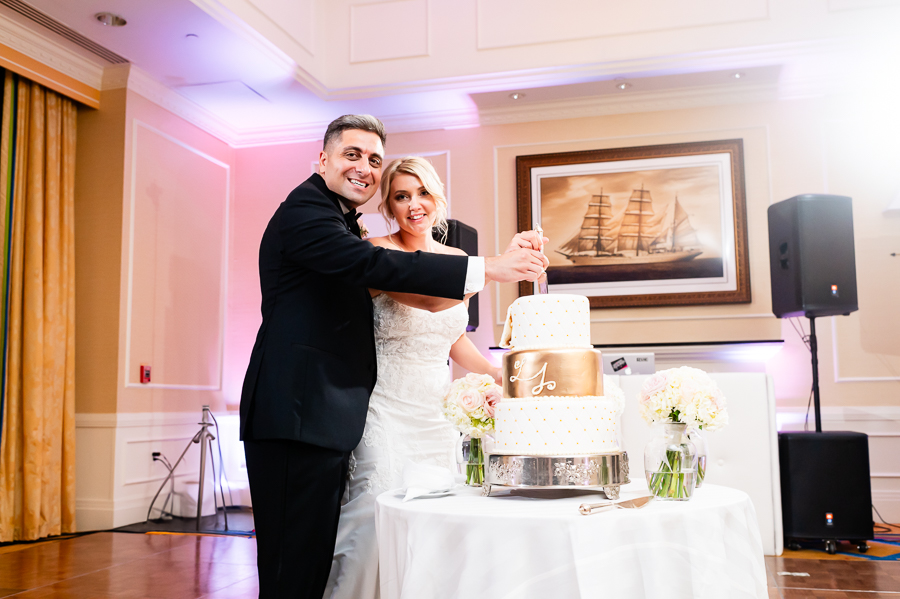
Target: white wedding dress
404	423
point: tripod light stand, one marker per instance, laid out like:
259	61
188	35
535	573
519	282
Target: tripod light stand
205	439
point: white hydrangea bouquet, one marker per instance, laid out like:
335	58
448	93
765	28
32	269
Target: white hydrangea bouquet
469	406
680	396
686	395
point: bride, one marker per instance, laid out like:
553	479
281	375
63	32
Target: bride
412	344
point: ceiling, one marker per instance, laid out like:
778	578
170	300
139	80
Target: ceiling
247	71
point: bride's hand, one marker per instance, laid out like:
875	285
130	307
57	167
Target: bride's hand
498	376
530	240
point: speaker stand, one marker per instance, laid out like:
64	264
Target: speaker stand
812	481
814	350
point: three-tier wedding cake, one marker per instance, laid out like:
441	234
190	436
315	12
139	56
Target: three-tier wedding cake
553	390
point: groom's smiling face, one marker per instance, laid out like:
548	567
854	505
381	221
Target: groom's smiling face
351	165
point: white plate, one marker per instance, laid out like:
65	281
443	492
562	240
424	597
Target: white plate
437	493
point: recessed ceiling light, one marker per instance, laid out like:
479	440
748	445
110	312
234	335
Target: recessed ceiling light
517	95
737	75
622	84
110	20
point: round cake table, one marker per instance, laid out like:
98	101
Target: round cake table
519	544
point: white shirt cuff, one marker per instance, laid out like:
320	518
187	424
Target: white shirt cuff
475	275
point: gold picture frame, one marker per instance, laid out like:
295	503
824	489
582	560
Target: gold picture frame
662	225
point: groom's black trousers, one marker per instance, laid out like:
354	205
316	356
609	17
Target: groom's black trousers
296	490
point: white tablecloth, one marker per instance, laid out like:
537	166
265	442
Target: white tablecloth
511	546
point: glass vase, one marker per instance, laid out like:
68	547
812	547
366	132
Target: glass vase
470	459
696	436
670	462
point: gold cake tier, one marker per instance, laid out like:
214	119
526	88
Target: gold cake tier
552	372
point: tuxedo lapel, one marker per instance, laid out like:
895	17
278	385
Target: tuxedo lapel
352	223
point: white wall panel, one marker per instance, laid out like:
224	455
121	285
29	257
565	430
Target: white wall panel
177	260
859	149
296	18
836	5
388	30
504	23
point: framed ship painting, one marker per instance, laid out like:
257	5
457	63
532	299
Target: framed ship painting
647	226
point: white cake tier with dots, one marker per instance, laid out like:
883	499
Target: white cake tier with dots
548	322
557	426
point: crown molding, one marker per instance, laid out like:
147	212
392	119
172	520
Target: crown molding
631	102
141	83
626	103
547	111
271	136
115	76
430	121
730	58
227	17
240	27
48	52
307	132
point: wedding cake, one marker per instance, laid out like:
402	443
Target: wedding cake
553	390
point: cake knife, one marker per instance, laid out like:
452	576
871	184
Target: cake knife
592	508
543	286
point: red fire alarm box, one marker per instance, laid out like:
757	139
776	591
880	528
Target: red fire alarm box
145	374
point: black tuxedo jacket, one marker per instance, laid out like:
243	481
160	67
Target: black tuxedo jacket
312	368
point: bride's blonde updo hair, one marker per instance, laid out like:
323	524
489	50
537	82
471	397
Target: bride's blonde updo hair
425	173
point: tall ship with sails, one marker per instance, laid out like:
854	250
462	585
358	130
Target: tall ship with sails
635	235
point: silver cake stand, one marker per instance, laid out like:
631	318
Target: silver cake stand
607	471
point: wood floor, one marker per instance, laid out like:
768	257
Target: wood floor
159	566
132	566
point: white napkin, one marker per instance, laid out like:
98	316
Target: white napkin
425	479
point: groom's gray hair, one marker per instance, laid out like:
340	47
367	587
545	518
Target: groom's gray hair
363	122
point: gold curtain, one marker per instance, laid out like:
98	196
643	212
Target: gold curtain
37	446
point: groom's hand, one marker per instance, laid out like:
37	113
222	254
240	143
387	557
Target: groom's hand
527	239
515	265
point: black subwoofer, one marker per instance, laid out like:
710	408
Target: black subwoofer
826	492
811	257
464	237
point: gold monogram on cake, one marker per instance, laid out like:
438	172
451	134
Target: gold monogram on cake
537	389
567	372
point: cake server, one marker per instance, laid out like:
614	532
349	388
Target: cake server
543	287
592	508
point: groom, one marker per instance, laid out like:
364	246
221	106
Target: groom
312	369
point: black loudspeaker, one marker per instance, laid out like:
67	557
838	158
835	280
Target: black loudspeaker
826	492
811	257
464	237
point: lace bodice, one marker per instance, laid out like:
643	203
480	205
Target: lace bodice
405	333
404	418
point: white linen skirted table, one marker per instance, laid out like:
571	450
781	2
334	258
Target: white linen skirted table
513	546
